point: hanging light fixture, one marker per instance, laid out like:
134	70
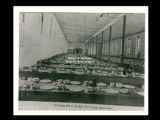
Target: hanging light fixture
106	15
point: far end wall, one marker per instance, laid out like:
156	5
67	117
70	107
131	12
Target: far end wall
72	45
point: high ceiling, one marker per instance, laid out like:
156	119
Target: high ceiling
80	27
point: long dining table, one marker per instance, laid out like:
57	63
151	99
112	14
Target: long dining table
82	97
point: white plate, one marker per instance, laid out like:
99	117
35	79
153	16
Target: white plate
129	86
76	89
45	81
140	93
46	87
111	91
101	84
75	82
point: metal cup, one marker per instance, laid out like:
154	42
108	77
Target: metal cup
86	83
121	73
133	74
111	84
31	86
36	79
59	80
29	79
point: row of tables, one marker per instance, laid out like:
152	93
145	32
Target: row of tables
82	97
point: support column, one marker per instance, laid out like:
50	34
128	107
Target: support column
123	38
110	33
102	46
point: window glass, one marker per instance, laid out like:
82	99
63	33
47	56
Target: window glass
129	46
137	45
116	47
112	48
120	41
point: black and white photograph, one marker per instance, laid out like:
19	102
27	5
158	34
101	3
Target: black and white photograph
81	60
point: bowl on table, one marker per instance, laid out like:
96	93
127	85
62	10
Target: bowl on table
29	84
59	80
119	85
35	79
124	91
86	83
59	86
66	81
29	79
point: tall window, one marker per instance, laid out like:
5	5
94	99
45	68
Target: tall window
103	49
112	48
120	47
137	52
116	47
129	46
107	48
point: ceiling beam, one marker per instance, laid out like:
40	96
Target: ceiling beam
106	26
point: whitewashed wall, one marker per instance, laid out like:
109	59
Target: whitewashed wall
34	45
